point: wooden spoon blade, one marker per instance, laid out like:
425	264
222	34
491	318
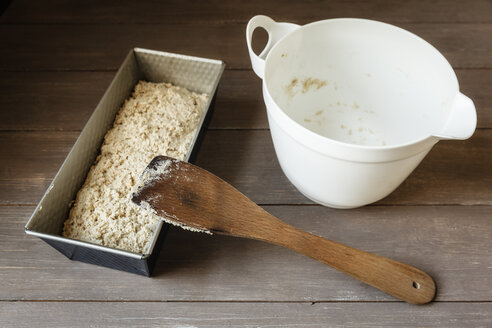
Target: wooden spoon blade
191	197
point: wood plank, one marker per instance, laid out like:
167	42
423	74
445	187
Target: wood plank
65	100
28	163
103	47
50	100
477	84
220	12
451	243
455	172
191	315
240	103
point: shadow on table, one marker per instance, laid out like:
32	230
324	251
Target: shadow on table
186	251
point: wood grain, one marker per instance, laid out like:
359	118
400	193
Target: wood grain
477	84
28	163
191	315
226	12
452	243
103	47
64	100
57	58
454	172
50	100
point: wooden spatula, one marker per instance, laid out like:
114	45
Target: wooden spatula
186	195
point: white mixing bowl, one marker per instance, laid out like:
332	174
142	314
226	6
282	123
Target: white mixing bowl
354	105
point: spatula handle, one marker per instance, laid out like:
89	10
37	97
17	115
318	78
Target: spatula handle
397	279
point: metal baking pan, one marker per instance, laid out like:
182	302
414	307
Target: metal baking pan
195	74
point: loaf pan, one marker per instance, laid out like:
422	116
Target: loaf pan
196	74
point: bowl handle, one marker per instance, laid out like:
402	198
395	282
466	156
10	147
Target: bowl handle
462	120
276	31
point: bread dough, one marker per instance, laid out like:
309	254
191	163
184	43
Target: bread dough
158	119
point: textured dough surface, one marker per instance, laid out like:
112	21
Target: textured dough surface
158	119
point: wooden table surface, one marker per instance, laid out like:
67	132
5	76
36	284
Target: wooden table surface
58	57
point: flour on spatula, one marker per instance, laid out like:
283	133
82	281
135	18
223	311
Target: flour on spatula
151	175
